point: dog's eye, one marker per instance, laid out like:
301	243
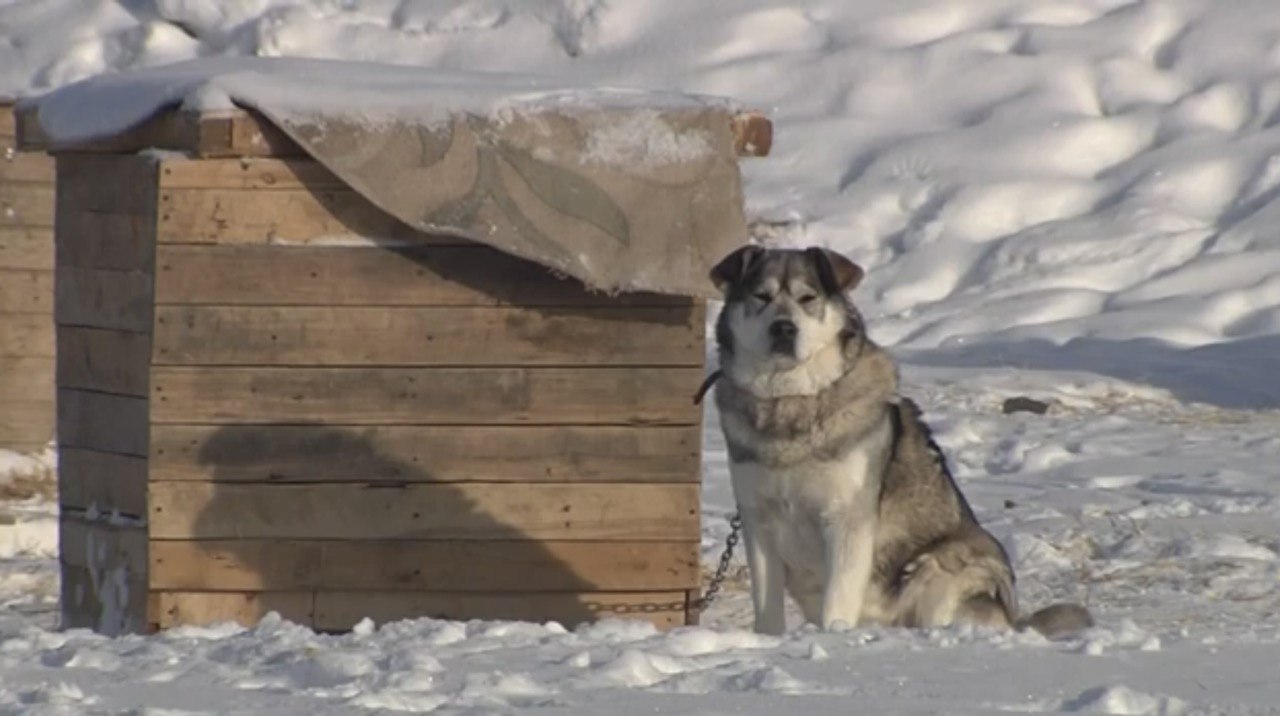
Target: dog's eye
764	297
808	298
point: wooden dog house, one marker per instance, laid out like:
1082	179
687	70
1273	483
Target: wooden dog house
274	395
26	294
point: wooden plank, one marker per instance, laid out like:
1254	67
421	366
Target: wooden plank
236	133
26	129
501	566
369	276
26	291
25	167
25	448
26	425
124	184
204	608
237	565
411	336
343	610
752	134
26	378
107	605
26	335
618	511
104	480
26	205
26	247
258	174
101	298
8	124
227	216
232	134
105	240
335	453
99	421
249	134
447	396
103	360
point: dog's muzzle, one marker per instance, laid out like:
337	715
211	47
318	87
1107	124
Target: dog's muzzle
782	336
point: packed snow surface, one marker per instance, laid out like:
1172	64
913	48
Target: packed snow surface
1074	200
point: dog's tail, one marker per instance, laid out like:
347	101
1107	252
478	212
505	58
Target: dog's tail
1057	621
1061	620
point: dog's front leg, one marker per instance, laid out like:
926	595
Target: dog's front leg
767	578
850	544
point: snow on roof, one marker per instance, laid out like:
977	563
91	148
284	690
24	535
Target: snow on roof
368	93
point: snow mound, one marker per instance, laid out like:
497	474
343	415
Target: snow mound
1124	700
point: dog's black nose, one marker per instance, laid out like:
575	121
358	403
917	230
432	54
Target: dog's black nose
783	329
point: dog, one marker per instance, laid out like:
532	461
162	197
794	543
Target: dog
847	503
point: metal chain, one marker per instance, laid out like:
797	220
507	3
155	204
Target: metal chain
722	569
713	586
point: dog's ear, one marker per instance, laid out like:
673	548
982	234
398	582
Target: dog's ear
734	267
838	273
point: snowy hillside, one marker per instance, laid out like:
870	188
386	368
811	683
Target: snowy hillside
1075	200
1012	170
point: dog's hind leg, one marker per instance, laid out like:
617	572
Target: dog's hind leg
983	610
952	585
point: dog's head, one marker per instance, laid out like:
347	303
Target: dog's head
786	310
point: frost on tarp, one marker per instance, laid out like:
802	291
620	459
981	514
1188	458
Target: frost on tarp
623	189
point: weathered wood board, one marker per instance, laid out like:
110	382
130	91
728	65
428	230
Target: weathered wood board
26	294
444	566
26	247
426	453
439	396
466	511
413	336
433	276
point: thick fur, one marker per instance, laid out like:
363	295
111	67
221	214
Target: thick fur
847	503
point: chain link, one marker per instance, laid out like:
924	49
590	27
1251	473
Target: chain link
722	569
697	605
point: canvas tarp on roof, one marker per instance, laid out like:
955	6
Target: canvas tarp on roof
623	189
622	199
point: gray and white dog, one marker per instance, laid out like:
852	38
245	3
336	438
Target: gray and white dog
846	501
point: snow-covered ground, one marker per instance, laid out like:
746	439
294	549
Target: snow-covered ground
1161	516
1073	200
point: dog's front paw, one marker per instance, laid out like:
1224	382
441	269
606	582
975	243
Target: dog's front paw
839	626
841	617
770	626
